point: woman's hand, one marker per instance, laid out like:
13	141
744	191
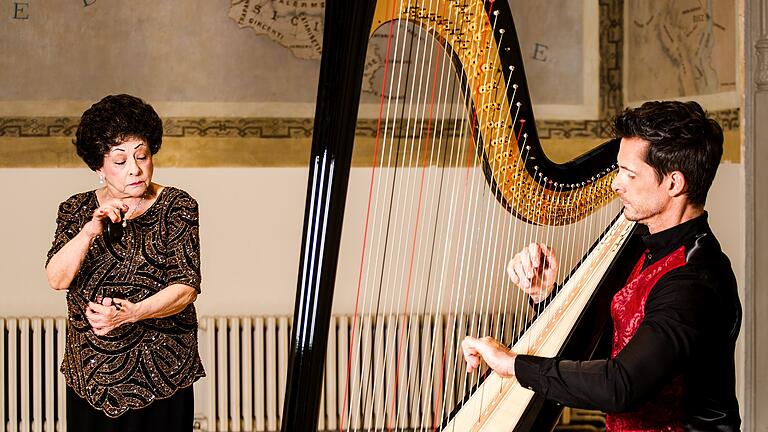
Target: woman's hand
497	356
111	210
534	270
64	264
106	314
109	314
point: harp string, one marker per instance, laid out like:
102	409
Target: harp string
428	377
484	290
399	81
410	253
400	351
455	315
447	265
405	265
343	406
476	248
424	397
388	347
407	133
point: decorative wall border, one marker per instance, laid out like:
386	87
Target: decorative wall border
292	128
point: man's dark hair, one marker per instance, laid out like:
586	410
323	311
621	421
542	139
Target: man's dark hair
110	122
681	137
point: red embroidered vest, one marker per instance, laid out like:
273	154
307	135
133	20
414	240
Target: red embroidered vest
665	411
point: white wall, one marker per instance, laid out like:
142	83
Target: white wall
251	222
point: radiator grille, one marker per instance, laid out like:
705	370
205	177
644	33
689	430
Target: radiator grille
246	360
33	391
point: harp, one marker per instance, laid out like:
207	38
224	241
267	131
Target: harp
485	168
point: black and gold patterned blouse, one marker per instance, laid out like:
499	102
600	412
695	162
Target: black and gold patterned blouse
135	363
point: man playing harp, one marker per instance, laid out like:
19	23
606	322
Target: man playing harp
676	319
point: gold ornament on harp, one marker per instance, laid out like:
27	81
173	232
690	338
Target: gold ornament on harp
463	27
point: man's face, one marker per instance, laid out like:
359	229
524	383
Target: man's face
643	196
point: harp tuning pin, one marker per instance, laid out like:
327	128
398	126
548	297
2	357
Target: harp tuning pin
519	104
514	86
501	31
525	135
496	13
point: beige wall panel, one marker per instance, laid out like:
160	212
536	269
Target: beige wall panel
251	223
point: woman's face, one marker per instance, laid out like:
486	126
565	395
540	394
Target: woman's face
127	169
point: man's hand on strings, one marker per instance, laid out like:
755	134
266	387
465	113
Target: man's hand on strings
497	356
534	269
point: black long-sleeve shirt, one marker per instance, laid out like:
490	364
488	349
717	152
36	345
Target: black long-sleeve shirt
692	319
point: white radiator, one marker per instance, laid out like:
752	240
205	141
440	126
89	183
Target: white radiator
246	363
246	360
33	399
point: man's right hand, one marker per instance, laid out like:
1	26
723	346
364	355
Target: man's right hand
534	270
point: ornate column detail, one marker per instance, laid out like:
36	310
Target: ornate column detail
761	74
756	243
611	57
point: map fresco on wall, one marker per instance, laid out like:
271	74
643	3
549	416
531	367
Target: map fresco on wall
238	57
680	49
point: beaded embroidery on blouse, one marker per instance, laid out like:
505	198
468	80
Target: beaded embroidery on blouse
150	359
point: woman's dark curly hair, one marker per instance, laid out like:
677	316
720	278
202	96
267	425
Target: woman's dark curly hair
110	122
682	138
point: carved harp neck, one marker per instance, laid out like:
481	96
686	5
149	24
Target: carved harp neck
481	37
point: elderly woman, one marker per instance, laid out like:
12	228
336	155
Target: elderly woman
128	254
